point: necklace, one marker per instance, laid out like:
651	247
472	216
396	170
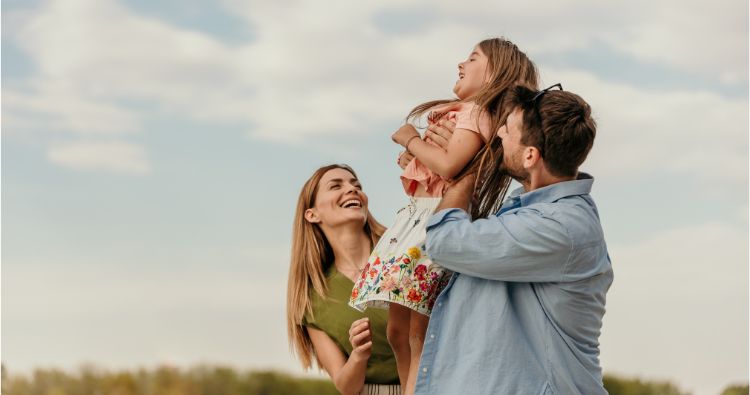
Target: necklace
354	271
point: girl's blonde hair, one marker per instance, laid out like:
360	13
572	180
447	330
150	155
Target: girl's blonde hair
311	256
508	67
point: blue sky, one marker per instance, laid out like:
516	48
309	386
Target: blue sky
152	153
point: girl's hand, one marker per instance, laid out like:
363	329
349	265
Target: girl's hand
404	158
404	134
361	339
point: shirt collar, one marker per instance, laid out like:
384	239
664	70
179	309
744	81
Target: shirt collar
556	191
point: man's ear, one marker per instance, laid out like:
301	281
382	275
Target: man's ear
531	156
311	216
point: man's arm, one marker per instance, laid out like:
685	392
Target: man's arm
524	246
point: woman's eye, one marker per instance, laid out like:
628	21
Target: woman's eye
335	186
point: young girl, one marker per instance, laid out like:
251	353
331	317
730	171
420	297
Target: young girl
399	275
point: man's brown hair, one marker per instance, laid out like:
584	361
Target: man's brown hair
558	124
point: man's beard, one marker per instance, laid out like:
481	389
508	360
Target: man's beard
515	171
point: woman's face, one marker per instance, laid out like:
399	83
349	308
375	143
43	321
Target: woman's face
339	200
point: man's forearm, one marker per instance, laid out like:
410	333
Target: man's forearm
458	195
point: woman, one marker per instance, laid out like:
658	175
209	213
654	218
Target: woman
332	238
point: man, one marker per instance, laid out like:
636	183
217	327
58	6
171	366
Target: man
523	312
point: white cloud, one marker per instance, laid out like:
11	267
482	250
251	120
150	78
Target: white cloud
326	75
698	134
124	314
678	308
111	156
706	38
58	106
93	56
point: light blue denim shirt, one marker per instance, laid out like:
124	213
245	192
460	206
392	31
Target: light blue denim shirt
525	313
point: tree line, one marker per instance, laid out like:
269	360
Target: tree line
218	380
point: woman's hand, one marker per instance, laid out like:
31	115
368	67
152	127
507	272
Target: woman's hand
361	339
404	134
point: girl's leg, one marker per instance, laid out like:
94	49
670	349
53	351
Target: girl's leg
397	332
417	329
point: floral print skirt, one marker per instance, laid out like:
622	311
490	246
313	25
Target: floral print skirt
399	270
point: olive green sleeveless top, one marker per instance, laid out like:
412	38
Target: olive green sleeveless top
333	316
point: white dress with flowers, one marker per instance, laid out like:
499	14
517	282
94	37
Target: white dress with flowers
399	270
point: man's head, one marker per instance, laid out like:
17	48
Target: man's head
547	133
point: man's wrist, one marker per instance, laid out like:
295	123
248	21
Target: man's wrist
458	195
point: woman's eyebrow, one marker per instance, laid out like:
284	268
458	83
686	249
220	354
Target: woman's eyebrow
352	180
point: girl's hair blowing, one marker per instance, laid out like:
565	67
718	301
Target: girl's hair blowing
508	67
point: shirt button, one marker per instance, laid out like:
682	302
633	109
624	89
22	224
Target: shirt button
432	336
440	304
424	370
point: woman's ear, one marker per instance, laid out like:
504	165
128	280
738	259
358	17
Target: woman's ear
311	216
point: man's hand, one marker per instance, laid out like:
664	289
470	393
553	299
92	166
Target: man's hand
361	339
404	134
440	133
458	194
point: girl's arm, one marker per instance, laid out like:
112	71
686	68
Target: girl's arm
446	162
348	375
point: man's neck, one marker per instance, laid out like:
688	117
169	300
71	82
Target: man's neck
543	179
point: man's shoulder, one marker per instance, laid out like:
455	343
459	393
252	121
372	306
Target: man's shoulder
577	214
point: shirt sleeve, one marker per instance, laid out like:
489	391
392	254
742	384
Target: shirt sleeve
470	117
520	246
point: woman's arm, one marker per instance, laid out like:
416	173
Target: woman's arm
348	375
446	162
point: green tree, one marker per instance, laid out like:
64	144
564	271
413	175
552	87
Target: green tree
736	389
620	386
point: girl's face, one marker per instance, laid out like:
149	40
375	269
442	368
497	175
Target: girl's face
339	200
472	74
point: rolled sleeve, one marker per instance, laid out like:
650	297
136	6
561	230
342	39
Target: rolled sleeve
524	245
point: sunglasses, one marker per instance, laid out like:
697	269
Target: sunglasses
534	101
543	91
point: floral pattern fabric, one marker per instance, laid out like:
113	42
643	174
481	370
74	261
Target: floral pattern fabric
399	270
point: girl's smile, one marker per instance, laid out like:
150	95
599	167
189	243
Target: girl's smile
472	74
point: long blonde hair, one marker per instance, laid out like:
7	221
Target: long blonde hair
508	67
311	256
